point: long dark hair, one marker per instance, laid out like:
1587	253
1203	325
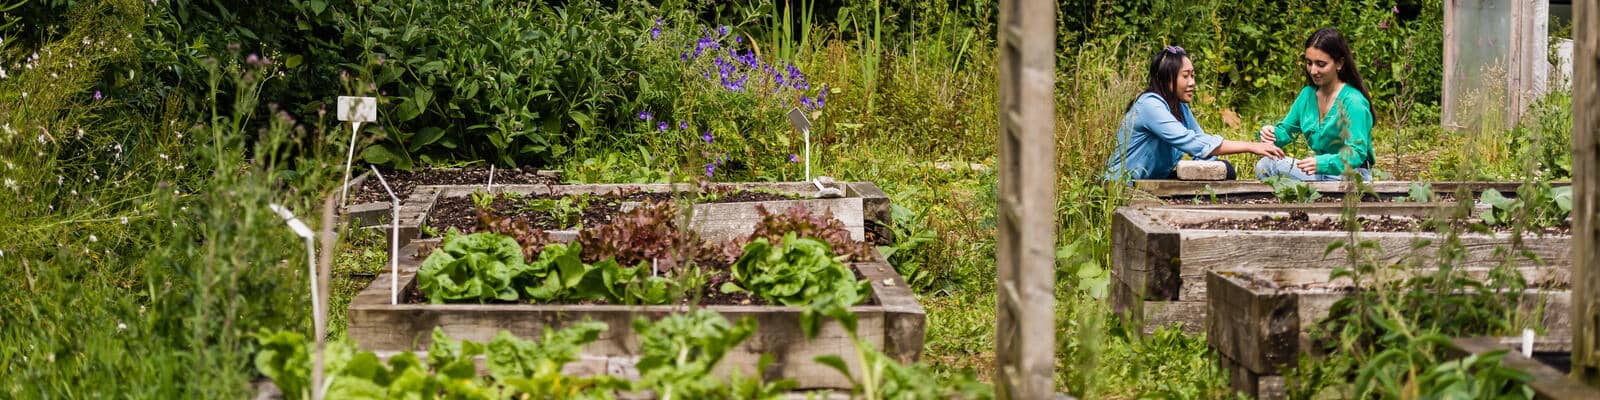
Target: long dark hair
1330	41
1164	69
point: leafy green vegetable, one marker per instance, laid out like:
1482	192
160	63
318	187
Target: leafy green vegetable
1501	208
1420	192
283	358
797	272
477	267
678	353
1290	190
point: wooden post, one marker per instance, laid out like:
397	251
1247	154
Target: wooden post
1025	335
1586	188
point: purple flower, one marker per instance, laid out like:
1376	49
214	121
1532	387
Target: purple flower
662	126
723	30
738	39
655	33
1383	25
645	115
711	169
805	102
684	125
97	95
794	158
1396	9
707	137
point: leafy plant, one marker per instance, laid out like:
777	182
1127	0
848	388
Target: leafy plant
795	272
476	267
910	234
1290	190
1420	192
1085	274
1545	206
803	223
677	354
647	234
567	211
517	368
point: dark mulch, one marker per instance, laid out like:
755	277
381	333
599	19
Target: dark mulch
1268	198
461	214
1300	221
404	181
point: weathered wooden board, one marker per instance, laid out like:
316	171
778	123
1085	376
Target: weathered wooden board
1548	382
1263	321
1255	328
1171	188
1155	258
896	325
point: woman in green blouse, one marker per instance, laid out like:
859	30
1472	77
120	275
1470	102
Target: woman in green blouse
1332	113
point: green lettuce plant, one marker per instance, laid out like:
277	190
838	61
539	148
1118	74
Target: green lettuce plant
794	272
477	267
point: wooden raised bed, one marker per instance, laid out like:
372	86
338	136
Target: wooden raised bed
863	204
1159	268
1260	321
1176	188
894	323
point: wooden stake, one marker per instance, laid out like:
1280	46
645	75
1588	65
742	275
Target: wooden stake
1586	188
1025	324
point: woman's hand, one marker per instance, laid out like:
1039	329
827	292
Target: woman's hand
1308	165
1267	150
1269	134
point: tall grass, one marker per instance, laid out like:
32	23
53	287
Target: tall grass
143	255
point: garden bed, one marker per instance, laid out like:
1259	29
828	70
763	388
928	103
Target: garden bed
891	320
1260	321
564	212
1219	193
1159	265
863	209
368	203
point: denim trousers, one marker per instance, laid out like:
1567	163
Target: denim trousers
1269	167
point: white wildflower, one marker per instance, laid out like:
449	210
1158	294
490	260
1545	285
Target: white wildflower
121	326
2	73
163	156
11	183
93	239
80	133
124	220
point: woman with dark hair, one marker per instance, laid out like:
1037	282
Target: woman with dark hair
1159	128
1332	112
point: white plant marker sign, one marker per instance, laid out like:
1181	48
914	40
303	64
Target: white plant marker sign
798	119
300	229
355	110
490	186
394	239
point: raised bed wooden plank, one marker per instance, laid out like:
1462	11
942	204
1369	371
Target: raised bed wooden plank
1548	382
895	324
1263	321
1171	188
1150	251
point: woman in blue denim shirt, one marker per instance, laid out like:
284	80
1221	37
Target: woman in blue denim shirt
1159	129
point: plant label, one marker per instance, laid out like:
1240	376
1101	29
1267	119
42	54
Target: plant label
358	109
799	120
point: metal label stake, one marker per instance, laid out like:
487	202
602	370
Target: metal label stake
355	110
394	239
300	229
798	119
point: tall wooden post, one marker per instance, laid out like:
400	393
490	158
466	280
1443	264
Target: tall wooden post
1586	188
1025	257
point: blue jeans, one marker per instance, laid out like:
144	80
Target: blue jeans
1268	167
